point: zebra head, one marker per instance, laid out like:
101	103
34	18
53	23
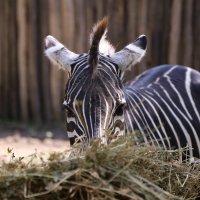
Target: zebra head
94	95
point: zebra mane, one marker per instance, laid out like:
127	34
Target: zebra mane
99	44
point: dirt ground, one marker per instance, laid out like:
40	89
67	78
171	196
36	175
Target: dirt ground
25	141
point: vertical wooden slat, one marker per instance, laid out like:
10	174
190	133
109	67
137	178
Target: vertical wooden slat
44	66
55	74
8	63
188	33
131	30
80	15
85	31
150	31
22	41
33	78
80	22
157	32
6	102
89	19
68	23
175	31
142	26
13	64
132	12
116	14
100	10
68	34
1	56
77	27
196	39
165	37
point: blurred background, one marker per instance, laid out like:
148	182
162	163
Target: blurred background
32	91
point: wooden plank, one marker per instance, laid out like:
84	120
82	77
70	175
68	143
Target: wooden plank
165	37
196	39
68	23
33	78
79	26
116	8
188	33
6	106
150	32
175	31
89	19
142	28
1	56
22	62
68	33
55	74
46	99
132	13
13	63
132	31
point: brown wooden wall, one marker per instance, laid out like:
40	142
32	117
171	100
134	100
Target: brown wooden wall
32	90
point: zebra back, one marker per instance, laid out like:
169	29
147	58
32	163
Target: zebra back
163	104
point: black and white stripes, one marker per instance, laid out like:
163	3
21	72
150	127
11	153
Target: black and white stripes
91	101
160	107
164	105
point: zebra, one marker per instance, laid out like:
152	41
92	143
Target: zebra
160	107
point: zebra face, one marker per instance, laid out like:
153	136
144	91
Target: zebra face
94	105
94	95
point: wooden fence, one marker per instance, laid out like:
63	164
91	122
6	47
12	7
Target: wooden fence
32	90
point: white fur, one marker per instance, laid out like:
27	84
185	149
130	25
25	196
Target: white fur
143	35
128	56
136	49
65	103
105	47
50	52
63	58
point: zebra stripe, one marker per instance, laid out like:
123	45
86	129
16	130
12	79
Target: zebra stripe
174	88
175	110
187	86
160	107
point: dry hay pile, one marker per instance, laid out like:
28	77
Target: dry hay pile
120	170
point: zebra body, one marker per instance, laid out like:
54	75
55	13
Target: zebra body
163	105
160	107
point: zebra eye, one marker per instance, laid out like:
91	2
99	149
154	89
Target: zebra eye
120	109
67	107
70	112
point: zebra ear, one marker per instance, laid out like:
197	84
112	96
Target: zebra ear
131	54
58	53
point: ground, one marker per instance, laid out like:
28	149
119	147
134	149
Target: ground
26	141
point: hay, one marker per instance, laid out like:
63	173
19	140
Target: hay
119	170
